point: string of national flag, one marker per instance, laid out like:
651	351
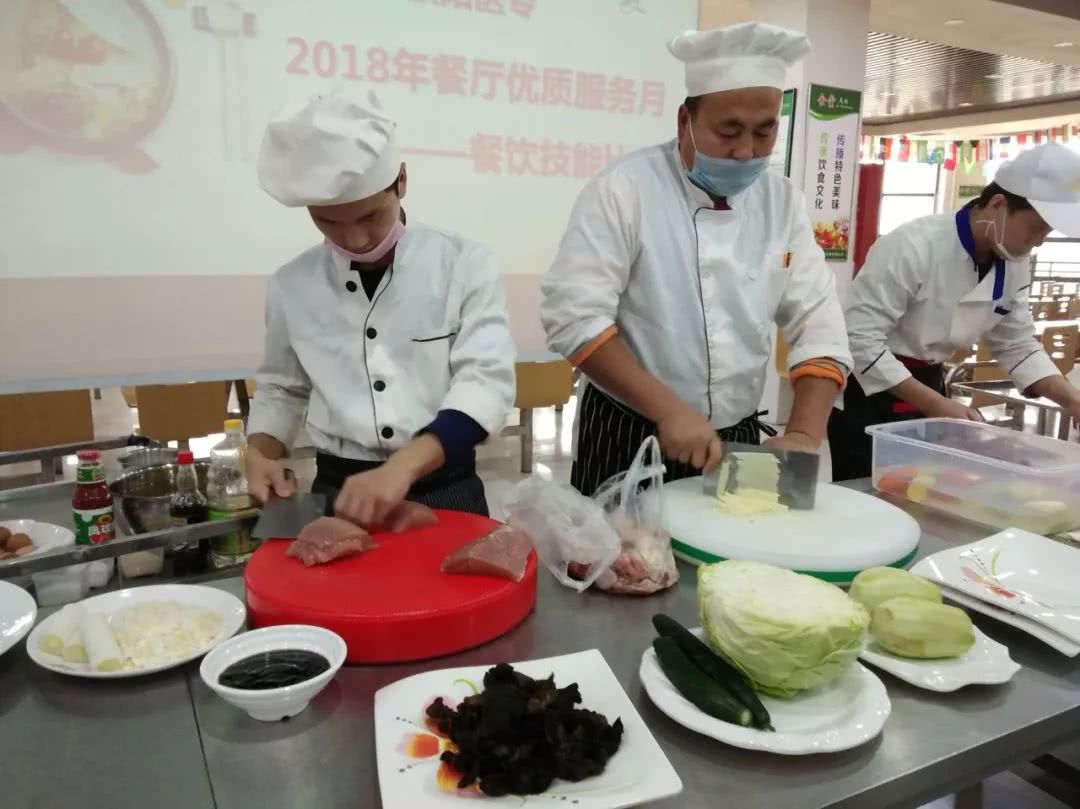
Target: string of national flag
961	154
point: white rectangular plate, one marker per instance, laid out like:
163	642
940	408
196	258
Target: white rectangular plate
408	751
1047	636
1021	572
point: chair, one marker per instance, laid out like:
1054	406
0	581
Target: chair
539	384
182	412
1074	308
1061	343
32	420
37	420
1044	310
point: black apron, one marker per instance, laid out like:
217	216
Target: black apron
457	488
610	434
849	445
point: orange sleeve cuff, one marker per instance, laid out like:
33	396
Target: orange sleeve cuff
822	368
582	355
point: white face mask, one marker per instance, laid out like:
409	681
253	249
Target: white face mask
999	240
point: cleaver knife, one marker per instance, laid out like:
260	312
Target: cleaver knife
796	479
285	517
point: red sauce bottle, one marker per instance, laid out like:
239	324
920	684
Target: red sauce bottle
92	502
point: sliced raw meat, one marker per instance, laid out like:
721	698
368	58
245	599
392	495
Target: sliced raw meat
502	552
329	538
646	564
409	516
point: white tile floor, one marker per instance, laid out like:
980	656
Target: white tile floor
499	464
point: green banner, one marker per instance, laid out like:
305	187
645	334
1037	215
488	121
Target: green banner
830	103
832	156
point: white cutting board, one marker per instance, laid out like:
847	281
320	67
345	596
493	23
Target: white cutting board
846	532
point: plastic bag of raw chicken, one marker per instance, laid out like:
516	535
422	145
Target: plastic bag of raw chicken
570	532
633	504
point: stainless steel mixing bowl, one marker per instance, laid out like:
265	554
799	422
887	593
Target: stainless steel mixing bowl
142	497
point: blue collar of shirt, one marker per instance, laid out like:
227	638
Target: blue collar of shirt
967	240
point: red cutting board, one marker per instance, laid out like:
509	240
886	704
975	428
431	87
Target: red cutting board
392	604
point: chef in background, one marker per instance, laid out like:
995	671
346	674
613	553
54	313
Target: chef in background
393	338
941	283
679	262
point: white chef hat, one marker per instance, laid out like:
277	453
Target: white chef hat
328	151
1048	177
751	54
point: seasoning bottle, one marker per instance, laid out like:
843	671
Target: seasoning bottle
227	490
92	503
188	506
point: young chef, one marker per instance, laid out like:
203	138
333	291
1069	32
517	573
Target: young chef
941	283
678	261
392	338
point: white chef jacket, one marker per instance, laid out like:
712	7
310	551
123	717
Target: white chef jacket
371	374
918	295
694	292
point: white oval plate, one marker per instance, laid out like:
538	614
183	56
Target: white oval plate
847	712
45	537
17	614
229	607
986	663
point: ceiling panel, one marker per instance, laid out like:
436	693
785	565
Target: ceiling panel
908	78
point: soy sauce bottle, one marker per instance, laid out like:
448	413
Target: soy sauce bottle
188	506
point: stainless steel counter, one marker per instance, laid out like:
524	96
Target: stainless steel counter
141	732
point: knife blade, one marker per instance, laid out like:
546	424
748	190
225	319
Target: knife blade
285	517
796	476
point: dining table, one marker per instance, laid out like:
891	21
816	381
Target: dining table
166	740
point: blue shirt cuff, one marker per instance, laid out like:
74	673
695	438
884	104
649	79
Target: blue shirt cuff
458	433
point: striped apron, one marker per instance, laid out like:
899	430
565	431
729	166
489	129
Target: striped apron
849	445
610	433
456	488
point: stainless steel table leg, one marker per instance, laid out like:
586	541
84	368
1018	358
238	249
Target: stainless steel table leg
1064	422
527	440
1040	421
970	798
243	399
1018	418
51	468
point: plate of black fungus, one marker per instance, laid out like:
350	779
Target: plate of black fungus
561	727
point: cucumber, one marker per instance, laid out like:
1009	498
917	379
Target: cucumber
714	666
691	682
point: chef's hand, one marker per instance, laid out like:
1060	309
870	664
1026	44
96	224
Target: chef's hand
952	409
687	436
266	477
800	442
367	498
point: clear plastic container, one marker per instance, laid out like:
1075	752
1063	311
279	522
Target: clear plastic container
986	474
227	493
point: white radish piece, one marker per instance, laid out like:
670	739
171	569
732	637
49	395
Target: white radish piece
64	624
101	647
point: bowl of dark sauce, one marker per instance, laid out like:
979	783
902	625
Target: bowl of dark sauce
274	673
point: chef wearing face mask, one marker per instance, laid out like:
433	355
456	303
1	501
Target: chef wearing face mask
941	283
393	339
678	264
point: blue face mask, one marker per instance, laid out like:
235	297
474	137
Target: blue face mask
721	176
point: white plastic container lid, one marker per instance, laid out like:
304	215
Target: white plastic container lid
1005	449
